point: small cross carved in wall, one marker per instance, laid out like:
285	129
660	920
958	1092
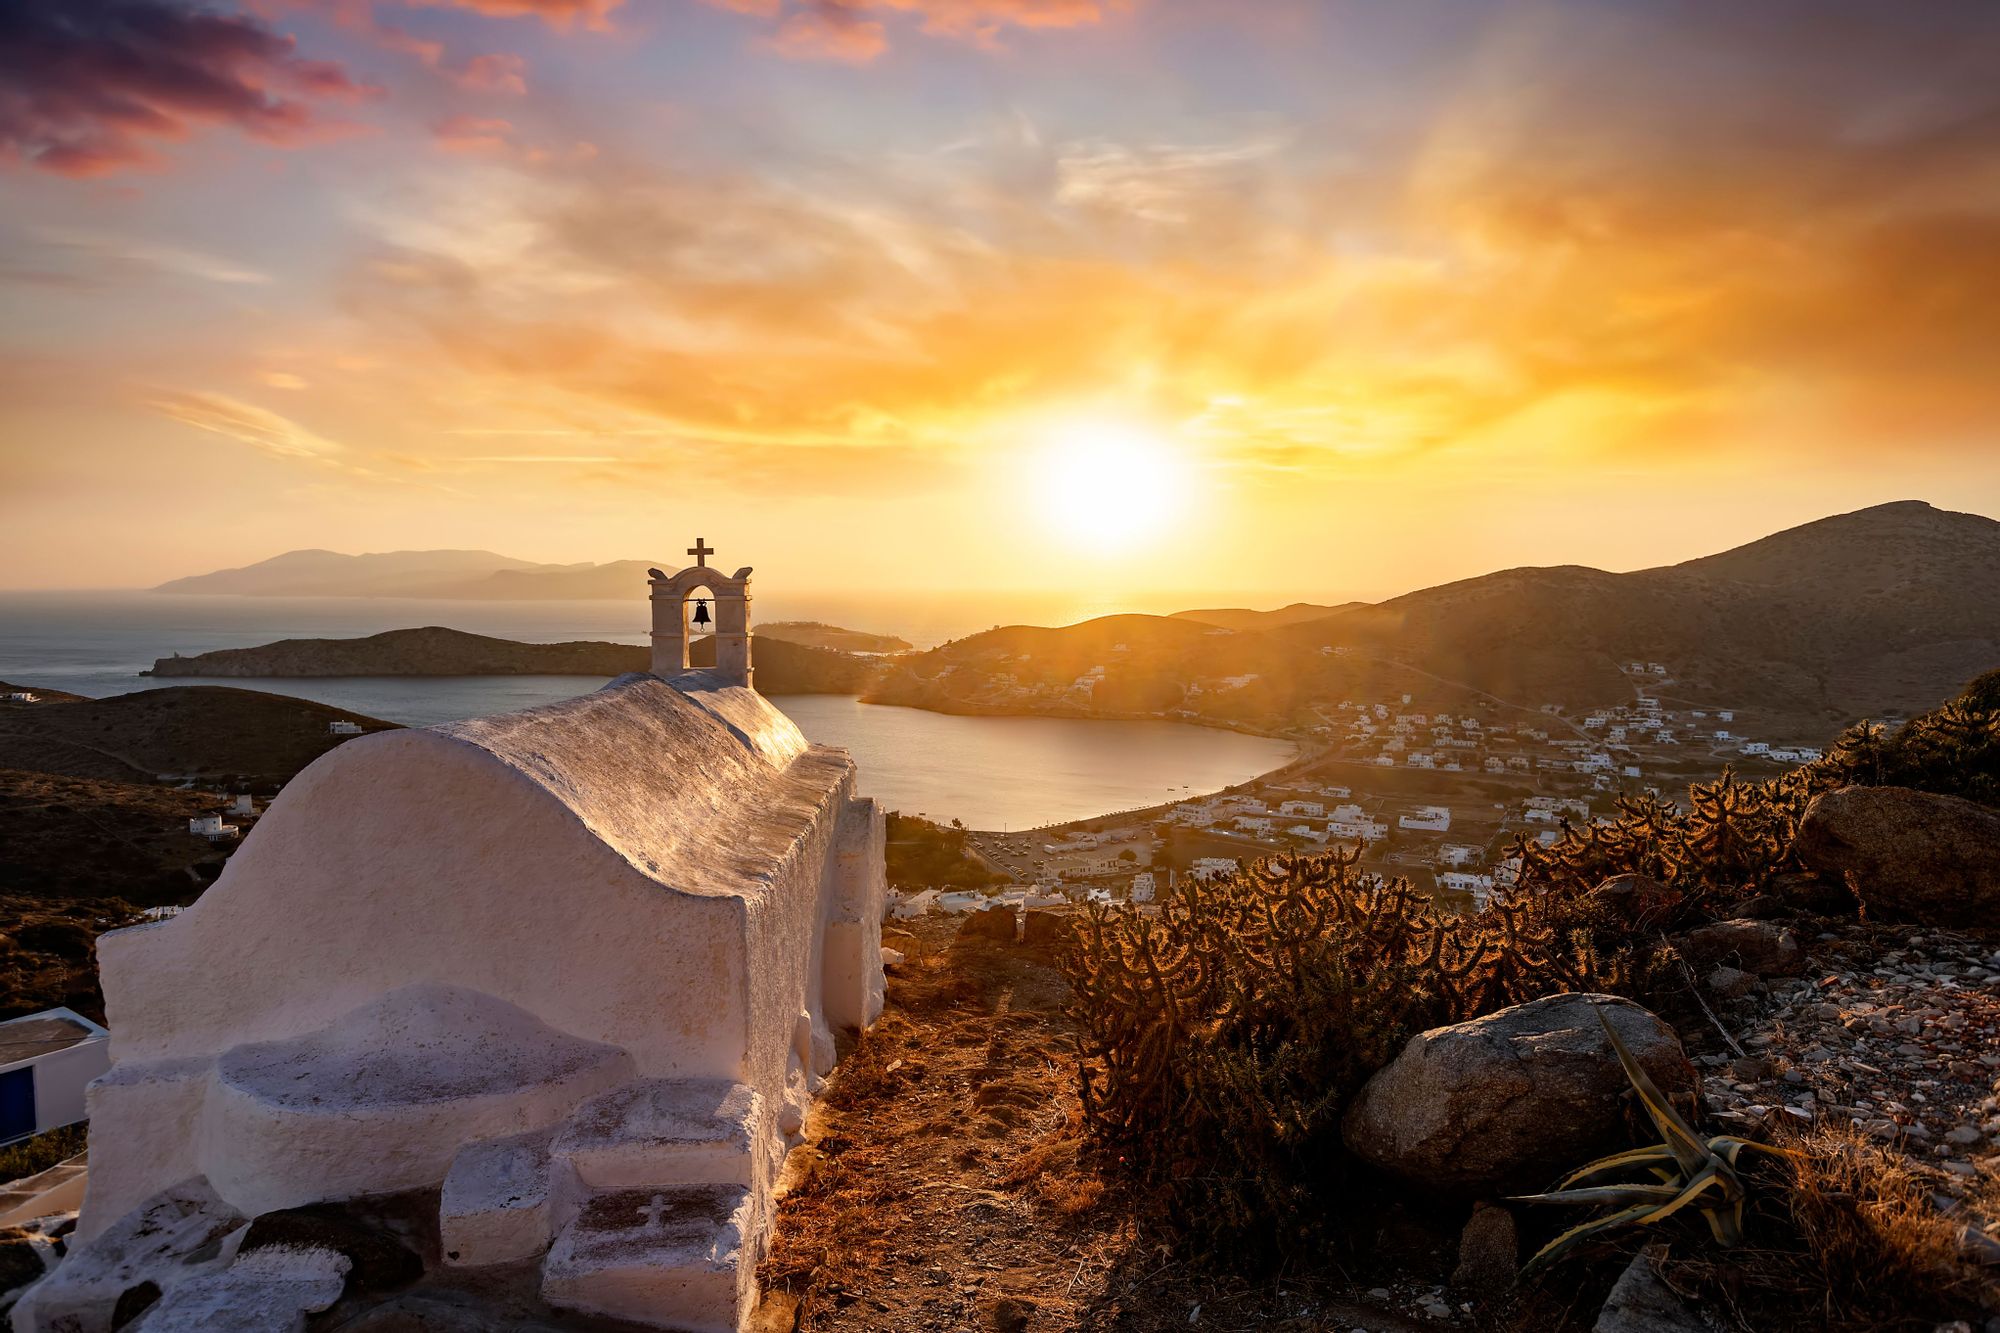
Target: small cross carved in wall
654	1211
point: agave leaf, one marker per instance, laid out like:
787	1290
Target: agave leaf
1604	1194
1651	1154
1688	1148
1716	1177
1726	1225
1728	1147
1576	1235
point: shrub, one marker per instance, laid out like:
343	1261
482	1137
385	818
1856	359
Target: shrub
1954	749
1731	843
1222	1039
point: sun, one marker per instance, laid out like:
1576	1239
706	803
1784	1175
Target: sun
1107	485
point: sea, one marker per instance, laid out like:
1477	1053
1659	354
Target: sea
1005	773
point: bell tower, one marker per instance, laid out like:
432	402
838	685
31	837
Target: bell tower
671	594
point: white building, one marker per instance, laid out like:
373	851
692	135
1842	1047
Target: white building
1427	819
1142	887
242	804
1206	867
580	995
1253	824
1456	855
212	828
1303	809
46	1061
22	697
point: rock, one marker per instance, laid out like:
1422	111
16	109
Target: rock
992	923
378	1260
1641	1302
1731	983
270	1291
1762	948
176	1236
23	1258
1488	1252
1009	1314
893	958
1042	929
1823	895
1634	899
1504	1103
1907	855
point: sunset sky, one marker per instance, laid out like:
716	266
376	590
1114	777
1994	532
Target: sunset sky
1301	298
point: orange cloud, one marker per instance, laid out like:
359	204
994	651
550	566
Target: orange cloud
849	31
561	14
473	134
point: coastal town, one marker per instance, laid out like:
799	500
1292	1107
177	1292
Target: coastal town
1429	793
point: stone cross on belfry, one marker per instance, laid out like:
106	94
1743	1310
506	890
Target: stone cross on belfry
673	632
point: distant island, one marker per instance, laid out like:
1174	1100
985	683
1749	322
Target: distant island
813	634
782	667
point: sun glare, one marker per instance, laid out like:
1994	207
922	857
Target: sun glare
1109	485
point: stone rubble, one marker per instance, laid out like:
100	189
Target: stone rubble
1894	1030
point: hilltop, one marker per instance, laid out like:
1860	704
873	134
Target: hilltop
1869	614
782	667
200	732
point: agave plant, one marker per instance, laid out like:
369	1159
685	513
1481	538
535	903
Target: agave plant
1685	1169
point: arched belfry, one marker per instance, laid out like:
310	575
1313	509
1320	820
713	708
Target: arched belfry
674	597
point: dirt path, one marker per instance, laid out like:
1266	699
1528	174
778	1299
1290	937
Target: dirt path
943	1191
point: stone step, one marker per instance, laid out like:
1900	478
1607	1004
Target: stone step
501	1200
661	1132
671	1258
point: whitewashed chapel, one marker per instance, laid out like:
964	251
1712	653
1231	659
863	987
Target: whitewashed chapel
575	969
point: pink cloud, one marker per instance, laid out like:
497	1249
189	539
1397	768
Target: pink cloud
88	89
850	31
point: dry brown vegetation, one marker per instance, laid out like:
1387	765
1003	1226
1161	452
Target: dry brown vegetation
1846	1238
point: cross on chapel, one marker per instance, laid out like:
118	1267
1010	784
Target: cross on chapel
701	551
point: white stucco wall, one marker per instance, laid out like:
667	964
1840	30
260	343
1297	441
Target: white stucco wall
650	867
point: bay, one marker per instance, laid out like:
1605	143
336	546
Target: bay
990	772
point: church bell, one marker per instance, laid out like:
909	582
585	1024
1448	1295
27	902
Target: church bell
700	611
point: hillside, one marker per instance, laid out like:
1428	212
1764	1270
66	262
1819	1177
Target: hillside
1871	614
1236	617
782	667
83	838
208	732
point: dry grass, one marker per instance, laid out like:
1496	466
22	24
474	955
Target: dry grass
1847	1239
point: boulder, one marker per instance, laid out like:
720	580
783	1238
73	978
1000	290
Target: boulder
1907	855
1505	1103
1489	1252
1043	929
992	923
1731	983
1761	948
